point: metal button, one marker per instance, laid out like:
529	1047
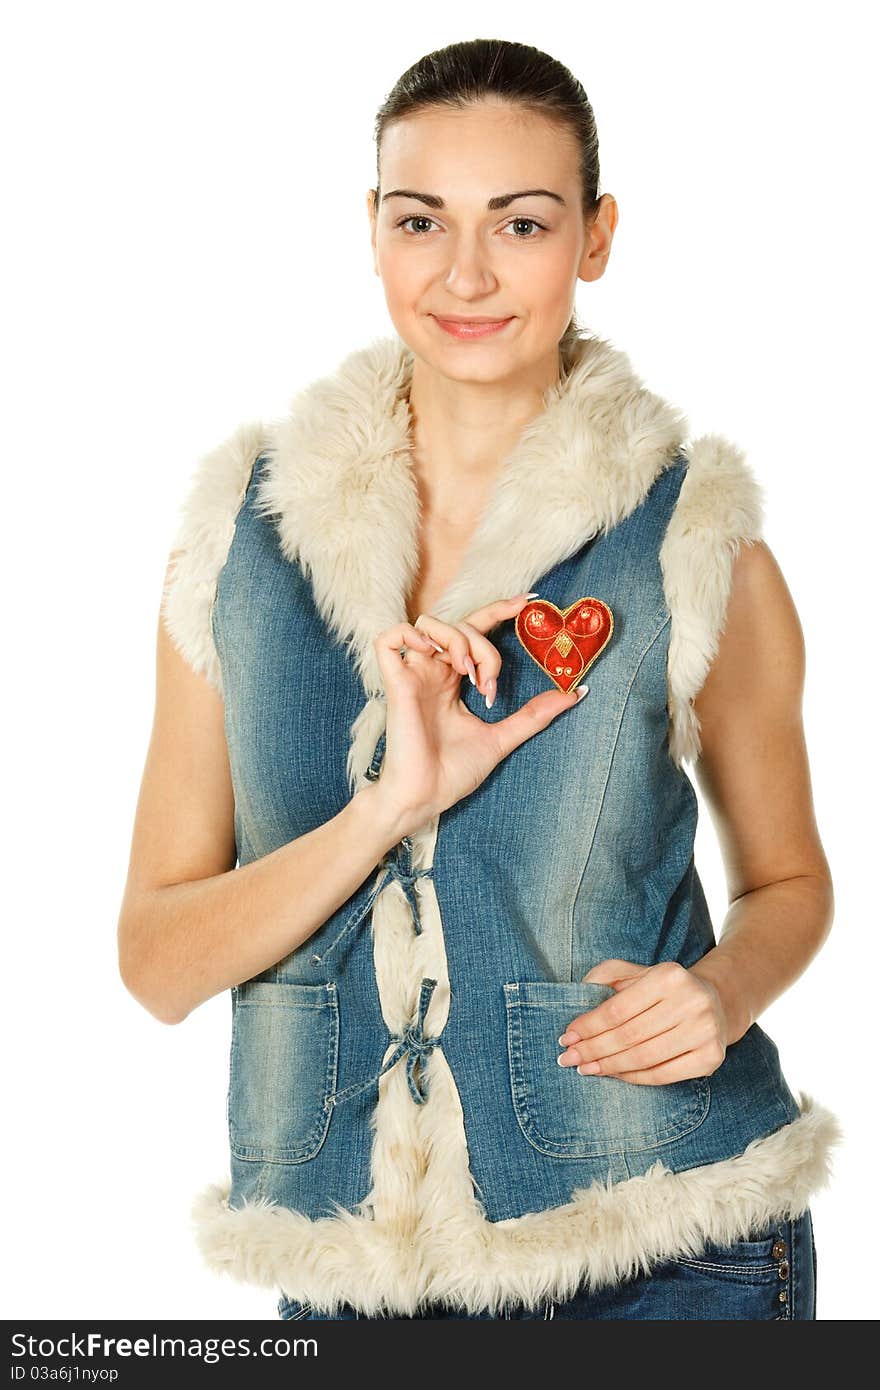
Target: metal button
778	1249
783	1270
783	1296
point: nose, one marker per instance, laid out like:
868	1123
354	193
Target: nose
470	273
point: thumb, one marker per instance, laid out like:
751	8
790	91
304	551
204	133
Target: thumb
531	717
617	973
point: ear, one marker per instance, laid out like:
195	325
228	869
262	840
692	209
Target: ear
371	213
600	234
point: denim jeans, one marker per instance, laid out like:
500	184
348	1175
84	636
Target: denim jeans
771	1277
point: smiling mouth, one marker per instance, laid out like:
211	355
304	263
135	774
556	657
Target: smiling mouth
470	327
458	318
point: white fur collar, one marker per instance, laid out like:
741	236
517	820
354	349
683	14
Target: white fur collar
341	487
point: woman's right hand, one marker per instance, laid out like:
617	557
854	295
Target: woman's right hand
437	751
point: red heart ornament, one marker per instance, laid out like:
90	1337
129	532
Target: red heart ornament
565	642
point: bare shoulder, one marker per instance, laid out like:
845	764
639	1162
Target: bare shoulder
753	766
761	653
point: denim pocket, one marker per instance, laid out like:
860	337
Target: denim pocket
755	1255
285	1047
567	1115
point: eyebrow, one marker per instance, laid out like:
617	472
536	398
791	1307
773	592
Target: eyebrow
502	201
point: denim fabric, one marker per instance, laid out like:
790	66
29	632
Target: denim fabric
577	847
770	1277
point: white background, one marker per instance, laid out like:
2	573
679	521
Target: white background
186	243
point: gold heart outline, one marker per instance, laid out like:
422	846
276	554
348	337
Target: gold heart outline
564	613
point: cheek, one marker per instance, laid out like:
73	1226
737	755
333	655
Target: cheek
403	276
546	280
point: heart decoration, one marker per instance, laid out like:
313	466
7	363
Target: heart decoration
565	641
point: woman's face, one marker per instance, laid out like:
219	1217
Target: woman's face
441	250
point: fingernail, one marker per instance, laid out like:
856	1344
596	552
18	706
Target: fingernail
519	596
490	692
567	1038
472	670
588	1068
436	644
581	691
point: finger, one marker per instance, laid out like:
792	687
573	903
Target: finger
388	647
643	994
646	1054
484	654
531	717
609	972
683	1068
645	1025
456	641
498	611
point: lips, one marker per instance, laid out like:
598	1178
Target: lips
471	328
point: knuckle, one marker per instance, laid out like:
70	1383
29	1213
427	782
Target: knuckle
628	1034
711	1056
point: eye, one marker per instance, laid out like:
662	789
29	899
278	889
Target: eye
529	221
516	221
414	217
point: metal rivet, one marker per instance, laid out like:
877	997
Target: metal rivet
778	1249
783	1270
783	1297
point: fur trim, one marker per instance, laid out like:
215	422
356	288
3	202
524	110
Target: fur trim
202	543
450	1253
720	506
343	492
339	483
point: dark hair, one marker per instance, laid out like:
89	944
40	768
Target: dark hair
464	73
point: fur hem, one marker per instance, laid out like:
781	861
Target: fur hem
720	506
605	1234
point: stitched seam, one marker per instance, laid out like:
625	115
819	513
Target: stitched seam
611	758
743	1269
241	501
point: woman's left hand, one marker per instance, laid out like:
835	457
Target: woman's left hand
663	1023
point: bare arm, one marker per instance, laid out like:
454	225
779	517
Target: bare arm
191	924
754	774
665	1022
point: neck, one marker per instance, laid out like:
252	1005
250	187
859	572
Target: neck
462	431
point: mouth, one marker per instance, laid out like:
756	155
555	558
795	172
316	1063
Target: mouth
476	327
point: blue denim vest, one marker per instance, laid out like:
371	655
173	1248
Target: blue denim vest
578	847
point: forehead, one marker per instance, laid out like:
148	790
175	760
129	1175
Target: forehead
506	147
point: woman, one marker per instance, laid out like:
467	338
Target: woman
434	649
